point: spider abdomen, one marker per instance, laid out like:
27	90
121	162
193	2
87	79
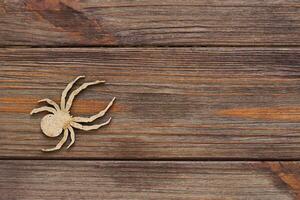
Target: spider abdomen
53	124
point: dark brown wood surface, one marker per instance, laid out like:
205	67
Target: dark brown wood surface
172	103
149	22
208	99
149	180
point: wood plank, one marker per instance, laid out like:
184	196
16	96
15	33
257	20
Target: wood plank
172	103
149	180
149	22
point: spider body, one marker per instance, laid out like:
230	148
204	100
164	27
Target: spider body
53	124
60	120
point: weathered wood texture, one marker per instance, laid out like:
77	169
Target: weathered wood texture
175	103
149	22
149	180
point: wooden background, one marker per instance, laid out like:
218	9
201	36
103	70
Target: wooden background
208	98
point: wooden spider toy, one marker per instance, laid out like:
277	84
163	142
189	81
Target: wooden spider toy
60	120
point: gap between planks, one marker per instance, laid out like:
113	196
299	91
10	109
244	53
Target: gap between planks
152	159
143	46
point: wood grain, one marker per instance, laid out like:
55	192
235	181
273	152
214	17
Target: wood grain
172	103
149	22
149	180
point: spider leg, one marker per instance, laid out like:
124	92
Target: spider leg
41	109
87	128
49	101
72	136
92	118
75	92
66	90
61	142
